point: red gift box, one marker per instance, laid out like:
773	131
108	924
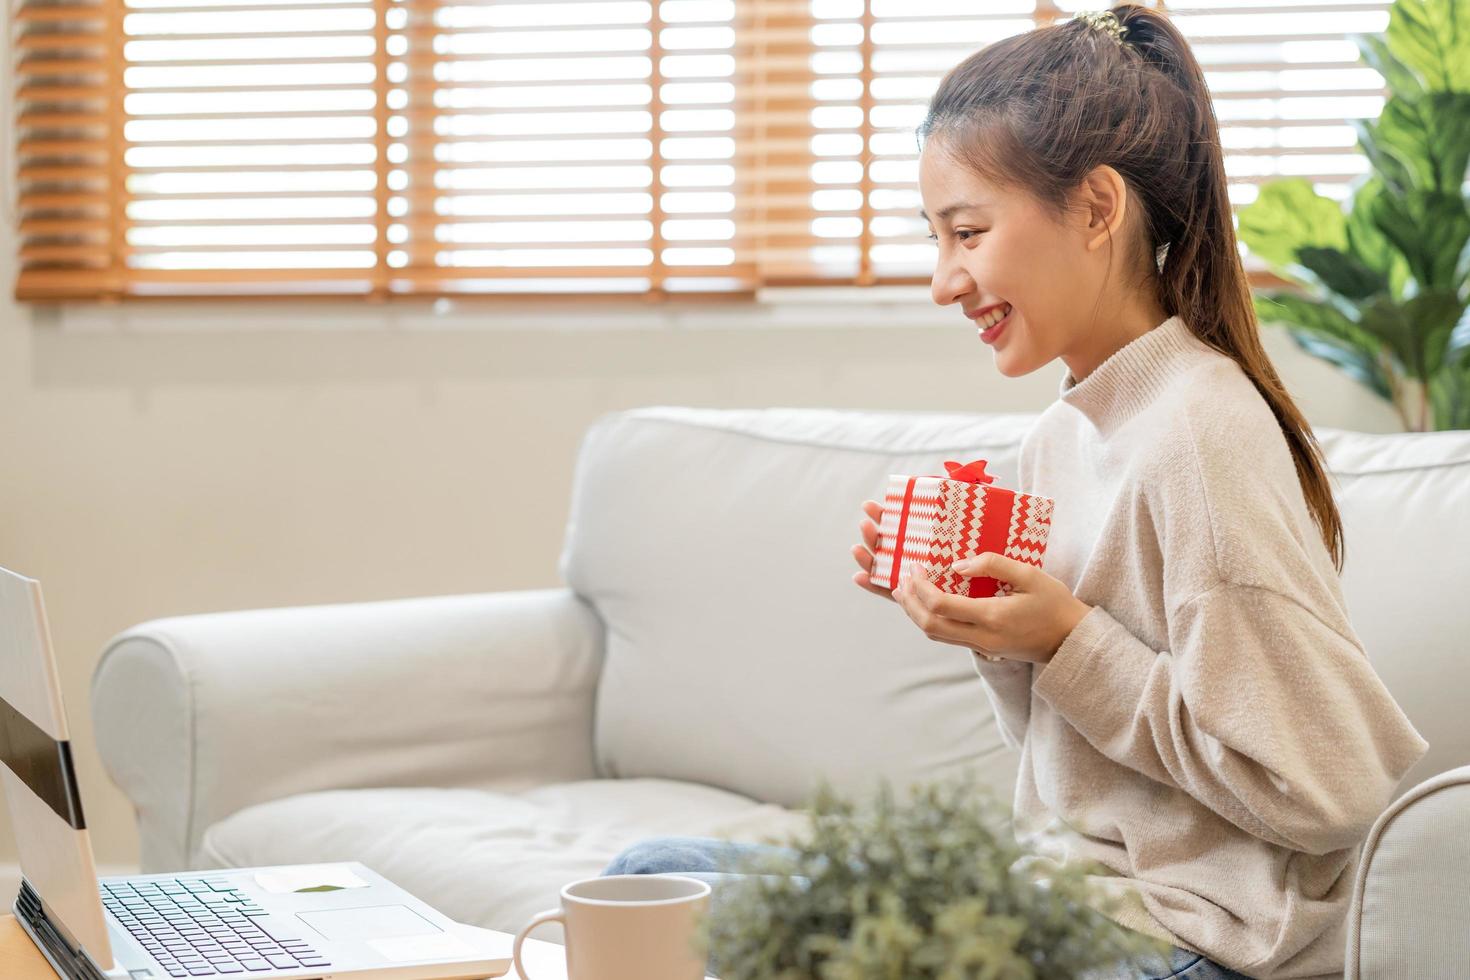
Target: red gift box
934	521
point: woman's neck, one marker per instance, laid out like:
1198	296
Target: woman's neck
1113	330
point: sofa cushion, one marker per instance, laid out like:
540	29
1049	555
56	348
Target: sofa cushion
486	859
1404	500
715	545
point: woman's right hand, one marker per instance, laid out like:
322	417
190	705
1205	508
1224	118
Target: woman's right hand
863	553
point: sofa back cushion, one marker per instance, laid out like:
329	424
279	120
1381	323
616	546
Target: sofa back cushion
715	545
1405	504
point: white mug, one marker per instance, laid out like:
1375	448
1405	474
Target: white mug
628	927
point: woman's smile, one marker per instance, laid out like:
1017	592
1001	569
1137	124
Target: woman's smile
989	334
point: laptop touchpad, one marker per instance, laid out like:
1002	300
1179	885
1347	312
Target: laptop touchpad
378	922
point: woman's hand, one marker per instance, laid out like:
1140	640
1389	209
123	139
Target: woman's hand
863	553
1029	624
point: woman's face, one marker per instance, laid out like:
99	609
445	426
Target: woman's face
1001	247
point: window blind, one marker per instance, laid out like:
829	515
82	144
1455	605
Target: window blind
642	148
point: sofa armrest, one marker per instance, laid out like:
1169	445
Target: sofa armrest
1412	891
199	716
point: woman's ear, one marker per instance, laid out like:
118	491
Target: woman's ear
1105	195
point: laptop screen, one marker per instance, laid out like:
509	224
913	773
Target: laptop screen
37	774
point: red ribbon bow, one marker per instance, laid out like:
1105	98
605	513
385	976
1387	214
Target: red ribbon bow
968	473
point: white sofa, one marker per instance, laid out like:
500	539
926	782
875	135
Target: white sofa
707	662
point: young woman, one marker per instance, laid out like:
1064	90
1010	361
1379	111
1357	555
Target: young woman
1192	706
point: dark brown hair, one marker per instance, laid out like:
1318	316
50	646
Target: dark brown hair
1038	111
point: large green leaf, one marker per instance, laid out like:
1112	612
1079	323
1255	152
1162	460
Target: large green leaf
1320	328
1399	77
1397	175
1288	215
1449	394
1342	272
1433	38
1430	228
1353	362
1385	320
1416	332
1434	316
1318	316
1370	245
1421	141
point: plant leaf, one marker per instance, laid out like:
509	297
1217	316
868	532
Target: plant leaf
1399	77
1342	272
1321	329
1449	392
1288	215
1369	244
1434	317
1394	173
1318	316
1427	134
1388	321
1352	361
1433	38
1430	228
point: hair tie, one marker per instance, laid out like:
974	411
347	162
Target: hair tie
1103	20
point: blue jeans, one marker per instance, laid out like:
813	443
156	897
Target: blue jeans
708	859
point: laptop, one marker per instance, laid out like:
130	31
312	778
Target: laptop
298	921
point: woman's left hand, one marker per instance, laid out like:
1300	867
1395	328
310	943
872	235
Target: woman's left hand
1029	624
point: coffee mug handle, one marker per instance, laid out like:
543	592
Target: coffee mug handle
540	918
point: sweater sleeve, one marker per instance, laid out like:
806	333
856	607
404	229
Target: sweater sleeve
1008	687
1260	711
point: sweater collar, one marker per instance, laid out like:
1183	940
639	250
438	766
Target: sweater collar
1132	376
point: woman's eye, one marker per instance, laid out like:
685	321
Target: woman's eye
935	238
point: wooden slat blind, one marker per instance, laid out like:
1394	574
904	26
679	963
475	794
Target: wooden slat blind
644	148
67	63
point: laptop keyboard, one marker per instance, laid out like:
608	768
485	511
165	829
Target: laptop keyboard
199	927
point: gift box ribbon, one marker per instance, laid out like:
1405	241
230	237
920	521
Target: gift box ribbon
969	473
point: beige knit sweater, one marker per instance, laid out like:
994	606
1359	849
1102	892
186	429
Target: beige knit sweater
1212	731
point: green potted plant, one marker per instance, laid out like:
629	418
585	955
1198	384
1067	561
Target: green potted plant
932	887
1383	286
